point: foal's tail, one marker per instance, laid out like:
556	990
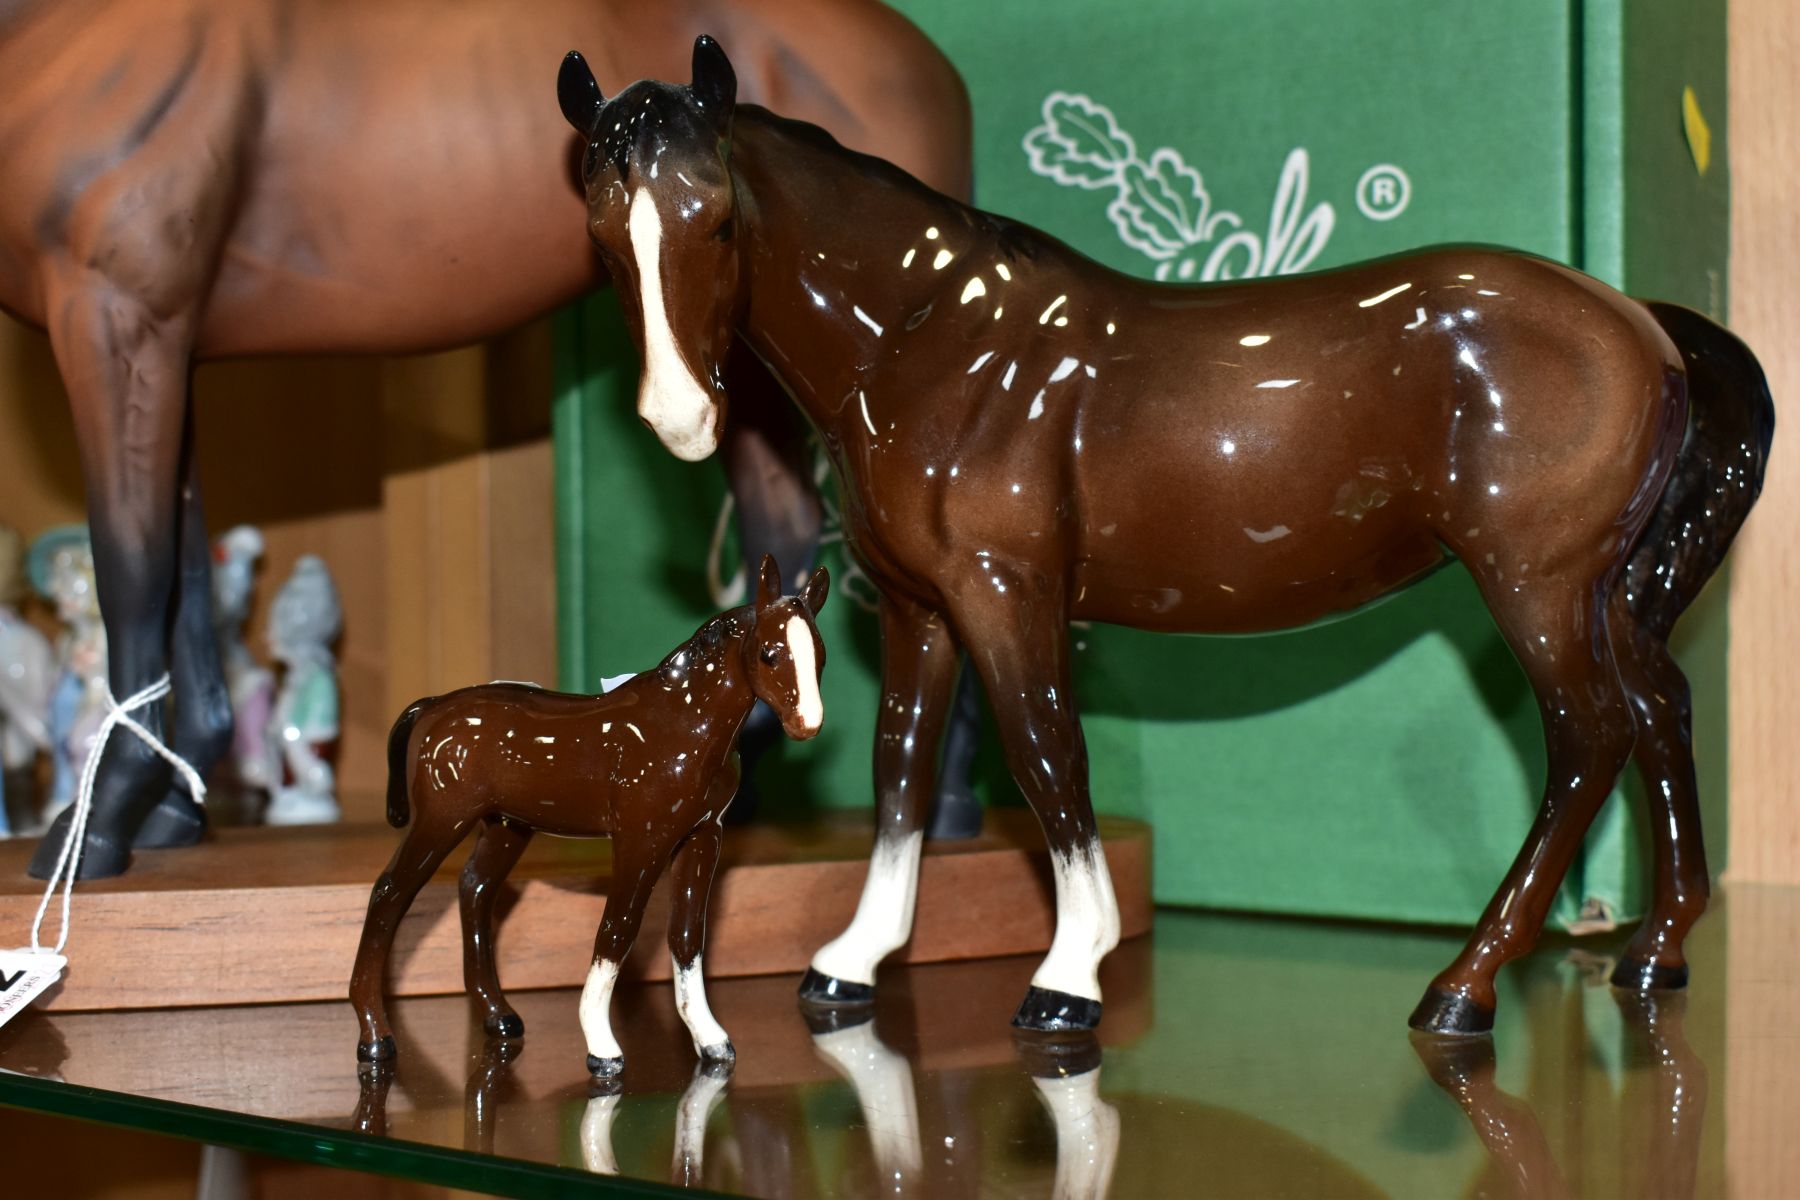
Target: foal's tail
399	809
1718	470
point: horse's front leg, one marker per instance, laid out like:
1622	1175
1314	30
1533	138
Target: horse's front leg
635	868
918	668
1014	622
125	365
695	864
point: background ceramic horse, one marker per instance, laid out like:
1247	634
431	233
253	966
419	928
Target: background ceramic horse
652	764
1024	437
224	178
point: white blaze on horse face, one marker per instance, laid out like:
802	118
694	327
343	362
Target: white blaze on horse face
1087	1134
811	707
674	403
884	915
884	1091
596	1000
1087	923
690	1002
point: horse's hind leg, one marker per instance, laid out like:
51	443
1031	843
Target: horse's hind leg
498	845
1558	630
1665	758
425	846
202	701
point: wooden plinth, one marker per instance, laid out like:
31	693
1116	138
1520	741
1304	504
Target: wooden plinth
273	915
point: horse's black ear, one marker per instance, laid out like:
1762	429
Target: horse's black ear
768	583
579	94
813	596
715	83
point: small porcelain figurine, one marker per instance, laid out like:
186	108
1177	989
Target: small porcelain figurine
255	758
652	764
1026	438
27	673
303	623
61	566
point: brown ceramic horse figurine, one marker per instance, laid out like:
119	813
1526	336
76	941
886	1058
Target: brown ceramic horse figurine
651	764
225	178
1024	438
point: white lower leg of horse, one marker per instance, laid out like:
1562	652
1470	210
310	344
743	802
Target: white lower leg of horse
596	1134
1087	1135
596	1002
884	1090
884	915
690	1002
1087	923
702	1096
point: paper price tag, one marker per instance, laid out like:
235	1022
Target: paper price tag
24	976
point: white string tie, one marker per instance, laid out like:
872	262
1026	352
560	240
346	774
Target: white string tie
70	859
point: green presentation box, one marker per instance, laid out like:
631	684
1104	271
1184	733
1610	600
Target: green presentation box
1383	766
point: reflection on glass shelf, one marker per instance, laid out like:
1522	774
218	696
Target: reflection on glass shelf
1239	1057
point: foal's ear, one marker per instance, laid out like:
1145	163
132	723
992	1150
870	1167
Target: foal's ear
768	583
715	83
579	94
813	595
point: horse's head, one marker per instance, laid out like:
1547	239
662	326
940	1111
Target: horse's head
661	211
784	654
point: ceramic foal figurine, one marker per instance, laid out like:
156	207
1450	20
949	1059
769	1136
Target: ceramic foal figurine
1025	437
180	186
652	764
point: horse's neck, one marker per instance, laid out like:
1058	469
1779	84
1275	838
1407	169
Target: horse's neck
711	666
838	259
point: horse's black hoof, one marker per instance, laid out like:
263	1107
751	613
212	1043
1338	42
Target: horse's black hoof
818	988
505	1025
177	821
102	857
606	1068
722	1054
1637	975
1451	1014
381	1050
1047	1010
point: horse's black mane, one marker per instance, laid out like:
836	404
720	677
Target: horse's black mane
646	109
712	637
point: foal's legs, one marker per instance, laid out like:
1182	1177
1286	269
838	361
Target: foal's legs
635	868
425	846
1018	641
918	669
694	866
1558	629
498	845
1659	697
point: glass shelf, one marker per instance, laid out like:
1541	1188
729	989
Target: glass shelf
1239	1056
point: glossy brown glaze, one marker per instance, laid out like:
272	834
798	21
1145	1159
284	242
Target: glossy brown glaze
1024	437
219	178
651	764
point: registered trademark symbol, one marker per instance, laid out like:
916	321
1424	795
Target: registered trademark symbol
1383	192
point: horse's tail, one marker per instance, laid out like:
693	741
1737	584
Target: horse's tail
398	806
1718	470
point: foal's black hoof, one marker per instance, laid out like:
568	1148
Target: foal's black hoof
606	1068
1047	1010
723	1054
177	821
1637	975
102	857
505	1025
381	1050
817	988
1451	1014
830	1019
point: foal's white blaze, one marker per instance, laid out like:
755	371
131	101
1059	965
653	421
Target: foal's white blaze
1087	1134
1087	923
670	399
690	1002
884	915
884	1091
596	1000
806	674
